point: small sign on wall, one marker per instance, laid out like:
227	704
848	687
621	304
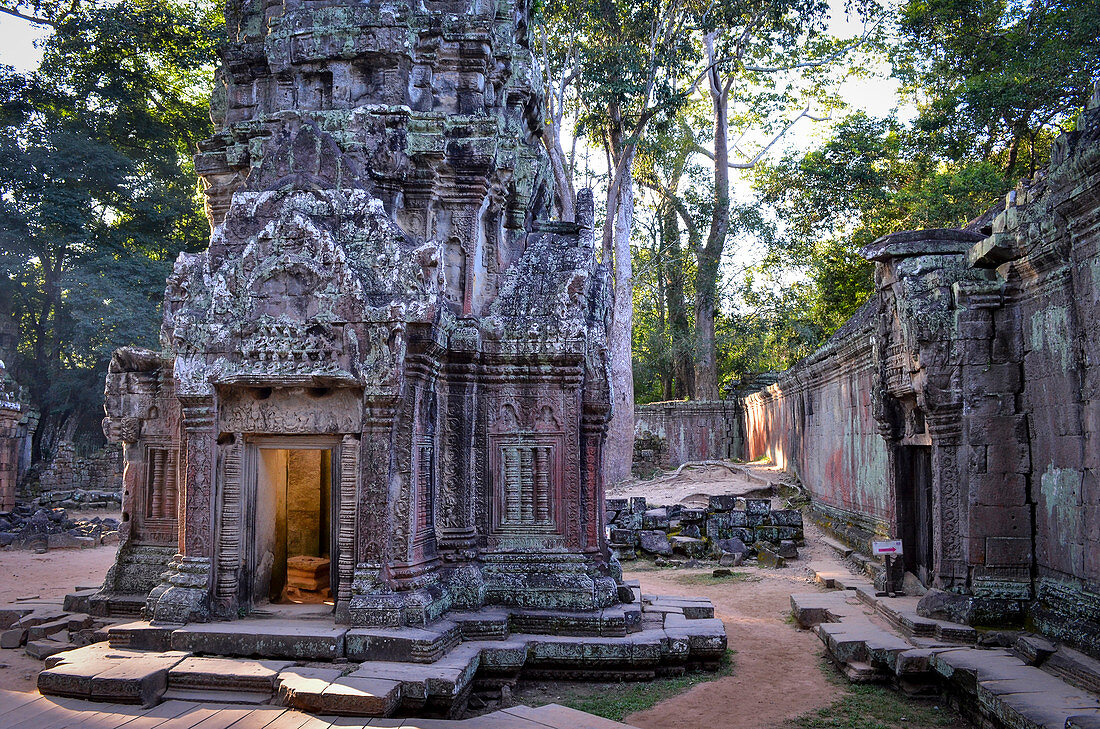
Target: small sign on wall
891	547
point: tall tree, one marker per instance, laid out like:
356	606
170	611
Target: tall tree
626	70
97	192
997	80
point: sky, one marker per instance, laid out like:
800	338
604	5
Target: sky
17	39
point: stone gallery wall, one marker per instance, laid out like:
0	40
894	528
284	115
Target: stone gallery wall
817	422
958	411
667	434
100	471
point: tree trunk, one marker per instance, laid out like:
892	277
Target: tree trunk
619	450
710	256
679	327
564	195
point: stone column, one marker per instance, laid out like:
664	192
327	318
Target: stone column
458	502
948	522
229	540
184	593
345	538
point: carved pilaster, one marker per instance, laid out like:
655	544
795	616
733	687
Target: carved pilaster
945	427
346	560
229	543
196	534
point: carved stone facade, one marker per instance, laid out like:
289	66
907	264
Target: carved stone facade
958	410
381	285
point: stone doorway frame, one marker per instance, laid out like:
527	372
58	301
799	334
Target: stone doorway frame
249	501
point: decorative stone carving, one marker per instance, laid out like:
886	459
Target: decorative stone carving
381	283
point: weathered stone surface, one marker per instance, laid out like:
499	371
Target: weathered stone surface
767	557
382	283
654	542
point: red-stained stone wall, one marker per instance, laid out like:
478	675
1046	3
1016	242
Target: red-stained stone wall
818	422
668	434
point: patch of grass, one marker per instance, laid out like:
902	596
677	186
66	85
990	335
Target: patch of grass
615	701
864	706
707	579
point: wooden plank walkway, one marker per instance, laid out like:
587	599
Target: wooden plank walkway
33	711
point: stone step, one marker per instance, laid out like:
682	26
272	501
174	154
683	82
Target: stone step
293	639
419	645
327	691
837	546
100	673
224	680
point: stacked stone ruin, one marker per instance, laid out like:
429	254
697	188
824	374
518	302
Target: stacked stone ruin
384	310
730	527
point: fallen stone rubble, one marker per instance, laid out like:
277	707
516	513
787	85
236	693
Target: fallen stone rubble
44	629
1000	680
26	527
80	499
730	529
316	666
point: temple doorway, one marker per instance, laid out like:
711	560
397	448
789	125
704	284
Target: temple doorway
293	545
914	494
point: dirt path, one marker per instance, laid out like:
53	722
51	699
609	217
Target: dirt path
776	673
50	576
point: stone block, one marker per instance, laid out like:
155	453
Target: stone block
719	526
691	530
776	534
622	537
786	518
766	557
688	546
787	549
13	637
655	519
616	504
693	515
1007	551
637	504
758	507
297	640
722	502
654	542
43	649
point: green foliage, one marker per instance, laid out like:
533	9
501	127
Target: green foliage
98	193
863	706
997	80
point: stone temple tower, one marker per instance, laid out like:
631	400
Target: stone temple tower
384	385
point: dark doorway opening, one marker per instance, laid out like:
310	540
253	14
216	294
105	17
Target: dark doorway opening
914	498
293	545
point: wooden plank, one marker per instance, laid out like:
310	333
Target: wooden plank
96	716
224	718
289	720
150	718
189	719
55	711
12	700
259	718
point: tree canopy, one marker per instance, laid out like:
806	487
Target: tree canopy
98	193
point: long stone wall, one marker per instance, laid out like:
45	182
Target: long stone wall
960	409
100	471
667	434
817	422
